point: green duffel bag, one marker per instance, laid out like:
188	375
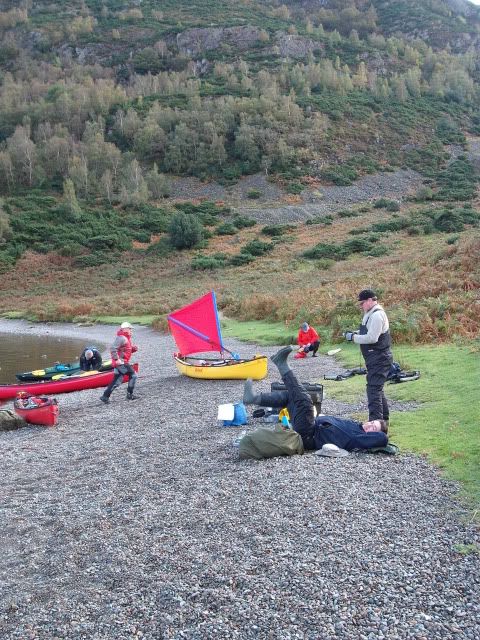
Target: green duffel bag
268	443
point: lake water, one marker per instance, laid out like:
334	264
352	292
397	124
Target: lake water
25	352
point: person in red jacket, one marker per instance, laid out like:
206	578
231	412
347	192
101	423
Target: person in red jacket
121	352
307	340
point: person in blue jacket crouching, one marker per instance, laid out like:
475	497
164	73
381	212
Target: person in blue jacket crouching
315	431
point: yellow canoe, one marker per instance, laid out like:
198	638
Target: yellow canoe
255	368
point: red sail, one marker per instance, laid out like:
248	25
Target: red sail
196	327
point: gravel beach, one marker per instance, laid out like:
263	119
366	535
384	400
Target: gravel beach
138	520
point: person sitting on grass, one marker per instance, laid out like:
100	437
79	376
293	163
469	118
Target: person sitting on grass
307	341
315	432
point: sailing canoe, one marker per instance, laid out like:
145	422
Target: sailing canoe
196	329
86	380
255	368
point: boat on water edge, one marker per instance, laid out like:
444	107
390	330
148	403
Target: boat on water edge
86	380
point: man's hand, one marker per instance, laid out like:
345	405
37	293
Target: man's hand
118	362
348	335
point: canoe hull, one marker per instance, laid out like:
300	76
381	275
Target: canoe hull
45	414
52	373
65	385
256	368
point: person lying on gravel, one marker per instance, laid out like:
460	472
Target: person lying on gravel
315	432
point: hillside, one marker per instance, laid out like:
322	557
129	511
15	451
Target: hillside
109	109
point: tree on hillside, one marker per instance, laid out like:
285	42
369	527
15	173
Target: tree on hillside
78	172
72	208
23	153
5	229
158	184
134	189
106	186
6	171
185	231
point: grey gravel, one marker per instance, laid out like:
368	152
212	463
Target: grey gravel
138	520
327	200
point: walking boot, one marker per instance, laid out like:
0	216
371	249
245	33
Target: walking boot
249	397
280	360
105	400
130	396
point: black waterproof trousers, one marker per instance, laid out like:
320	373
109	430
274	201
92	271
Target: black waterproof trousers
299	405
118	373
378	365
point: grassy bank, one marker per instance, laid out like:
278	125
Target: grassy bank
444	426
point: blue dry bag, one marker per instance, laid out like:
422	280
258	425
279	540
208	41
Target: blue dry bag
239	416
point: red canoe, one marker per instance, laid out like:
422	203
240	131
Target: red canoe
37	410
87	380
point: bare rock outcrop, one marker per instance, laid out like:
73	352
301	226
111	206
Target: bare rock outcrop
194	42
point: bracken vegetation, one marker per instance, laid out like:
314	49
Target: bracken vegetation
104	103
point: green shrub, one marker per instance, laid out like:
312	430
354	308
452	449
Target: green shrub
122	274
206	262
341	175
276	230
325	219
226	229
385	203
424	193
161	249
458	181
103	243
141	236
254	194
377	250
185	231
243	222
241	258
398	224
324	263
448	132
91	260
453	239
349	213
294	188
357	245
321	250
393	205
449	221
257	247
70	250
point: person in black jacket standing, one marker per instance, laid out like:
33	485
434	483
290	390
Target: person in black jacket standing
375	342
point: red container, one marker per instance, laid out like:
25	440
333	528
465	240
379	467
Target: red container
37	409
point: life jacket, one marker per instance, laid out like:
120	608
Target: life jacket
383	343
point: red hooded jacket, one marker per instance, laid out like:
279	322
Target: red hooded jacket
122	348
